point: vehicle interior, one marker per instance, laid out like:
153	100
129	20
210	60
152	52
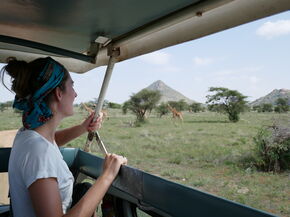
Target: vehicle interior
83	35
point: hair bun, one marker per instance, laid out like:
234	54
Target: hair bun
15	68
10	59
24	75
20	74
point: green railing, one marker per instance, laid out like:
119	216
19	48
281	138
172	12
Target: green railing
152	194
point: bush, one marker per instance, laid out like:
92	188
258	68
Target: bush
273	148
141	104
266	107
256	108
282	105
114	105
162	109
180	105
2	107
224	100
196	107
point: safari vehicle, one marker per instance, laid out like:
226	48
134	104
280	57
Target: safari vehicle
83	35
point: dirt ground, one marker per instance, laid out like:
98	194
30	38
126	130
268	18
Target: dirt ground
6	140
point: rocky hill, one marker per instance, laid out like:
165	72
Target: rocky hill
167	93
272	97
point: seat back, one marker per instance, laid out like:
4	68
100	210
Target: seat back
4	159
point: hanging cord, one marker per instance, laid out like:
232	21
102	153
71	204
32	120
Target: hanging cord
98	108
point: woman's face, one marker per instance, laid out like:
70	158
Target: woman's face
68	98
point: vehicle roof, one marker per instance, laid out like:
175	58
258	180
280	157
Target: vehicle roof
67	30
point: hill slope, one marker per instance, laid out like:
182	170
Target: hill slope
167	93
272	97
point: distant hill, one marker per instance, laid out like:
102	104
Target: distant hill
167	93
272	97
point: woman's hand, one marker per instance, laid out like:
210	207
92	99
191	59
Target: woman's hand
112	165
90	125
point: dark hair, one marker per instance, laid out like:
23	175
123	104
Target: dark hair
24	76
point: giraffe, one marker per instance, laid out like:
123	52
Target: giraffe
175	113
90	111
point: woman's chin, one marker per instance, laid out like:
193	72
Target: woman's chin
71	113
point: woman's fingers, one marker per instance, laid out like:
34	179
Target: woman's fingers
124	160
94	125
101	115
113	163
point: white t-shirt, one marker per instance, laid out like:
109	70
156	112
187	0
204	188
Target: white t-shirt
33	157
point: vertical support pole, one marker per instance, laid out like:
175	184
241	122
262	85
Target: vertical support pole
105	85
99	106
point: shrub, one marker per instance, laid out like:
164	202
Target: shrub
142	103
162	109
256	108
196	107
281	105
2	107
266	107
273	148
114	105
180	105
230	102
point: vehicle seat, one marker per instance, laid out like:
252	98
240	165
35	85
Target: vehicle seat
4	210
4	159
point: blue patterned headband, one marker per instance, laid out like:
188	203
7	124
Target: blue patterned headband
35	111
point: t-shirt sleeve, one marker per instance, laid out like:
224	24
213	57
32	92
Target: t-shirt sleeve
39	163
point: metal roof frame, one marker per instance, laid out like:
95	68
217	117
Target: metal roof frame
199	19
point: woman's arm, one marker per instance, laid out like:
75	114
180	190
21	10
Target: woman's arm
66	135
46	198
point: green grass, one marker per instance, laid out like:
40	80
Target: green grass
10	120
206	152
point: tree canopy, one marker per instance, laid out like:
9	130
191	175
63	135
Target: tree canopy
196	107
282	105
162	109
265	107
226	101
142	102
180	105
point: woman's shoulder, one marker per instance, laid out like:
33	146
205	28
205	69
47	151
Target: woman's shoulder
29	148
31	141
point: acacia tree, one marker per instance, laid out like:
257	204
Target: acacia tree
196	107
143	102
281	105
125	107
265	107
180	105
114	105
2	107
162	109
226	101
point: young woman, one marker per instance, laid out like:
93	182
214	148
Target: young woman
40	181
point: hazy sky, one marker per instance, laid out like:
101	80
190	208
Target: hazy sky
253	59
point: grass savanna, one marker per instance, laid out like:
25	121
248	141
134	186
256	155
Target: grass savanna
206	151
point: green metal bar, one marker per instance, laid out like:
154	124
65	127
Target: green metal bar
151	193
180	200
166	198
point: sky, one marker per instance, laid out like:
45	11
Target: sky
252	58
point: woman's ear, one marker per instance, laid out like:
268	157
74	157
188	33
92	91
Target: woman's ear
58	93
